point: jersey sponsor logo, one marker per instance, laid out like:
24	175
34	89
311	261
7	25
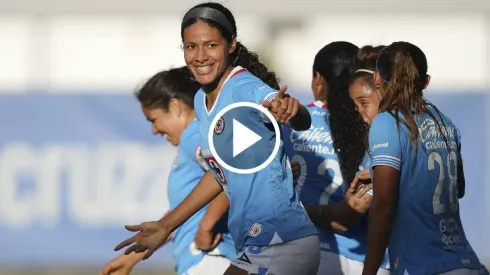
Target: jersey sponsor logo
218	171
255	230
316	140
200	159
220	126
318	113
380	145
314	134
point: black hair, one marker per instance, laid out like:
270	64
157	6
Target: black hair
366	60
241	56
176	83
402	67
336	62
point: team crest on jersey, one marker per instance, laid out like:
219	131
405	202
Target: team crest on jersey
255	230
214	166
200	159
220	126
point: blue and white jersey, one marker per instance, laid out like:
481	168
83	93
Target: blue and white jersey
427	235
186	172
264	209
320	181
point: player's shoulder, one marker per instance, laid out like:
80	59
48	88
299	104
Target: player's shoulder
199	102
384	118
189	139
386	126
246	87
317	108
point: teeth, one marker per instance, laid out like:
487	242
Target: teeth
203	68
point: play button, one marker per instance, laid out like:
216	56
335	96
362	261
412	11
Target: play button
242	138
252	141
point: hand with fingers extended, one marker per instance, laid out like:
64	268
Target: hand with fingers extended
150	236
121	265
283	107
358	196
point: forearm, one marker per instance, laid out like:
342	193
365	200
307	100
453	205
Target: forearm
323	216
381	219
338	216
302	120
205	191
216	209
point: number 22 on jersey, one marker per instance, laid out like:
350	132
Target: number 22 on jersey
323	167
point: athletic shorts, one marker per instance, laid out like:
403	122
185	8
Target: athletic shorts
300	256
335	264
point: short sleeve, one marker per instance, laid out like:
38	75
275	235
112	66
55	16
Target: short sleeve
198	104
253	91
385	147
200	159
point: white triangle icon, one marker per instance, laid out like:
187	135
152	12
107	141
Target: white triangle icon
243	138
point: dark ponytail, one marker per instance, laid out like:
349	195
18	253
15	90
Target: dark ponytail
223	20
250	61
403	69
335	63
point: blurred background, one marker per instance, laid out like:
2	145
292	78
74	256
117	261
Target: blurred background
77	158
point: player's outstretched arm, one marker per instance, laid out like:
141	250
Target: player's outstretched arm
288	110
381	216
205	191
151	235
346	214
206	239
302	120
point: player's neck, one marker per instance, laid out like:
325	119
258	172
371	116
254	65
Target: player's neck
190	117
212	90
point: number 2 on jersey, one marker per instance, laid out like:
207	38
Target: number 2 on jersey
321	170
452	174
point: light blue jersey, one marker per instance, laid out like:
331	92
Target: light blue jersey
264	209
427	235
320	181
187	170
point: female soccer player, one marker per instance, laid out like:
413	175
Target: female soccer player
167	102
361	89
271	229
417	175
320	185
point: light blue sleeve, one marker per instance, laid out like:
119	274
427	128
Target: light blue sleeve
253	91
385	147
198	104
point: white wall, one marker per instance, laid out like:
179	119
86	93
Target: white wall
67	46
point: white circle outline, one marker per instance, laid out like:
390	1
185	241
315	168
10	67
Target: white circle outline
260	109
